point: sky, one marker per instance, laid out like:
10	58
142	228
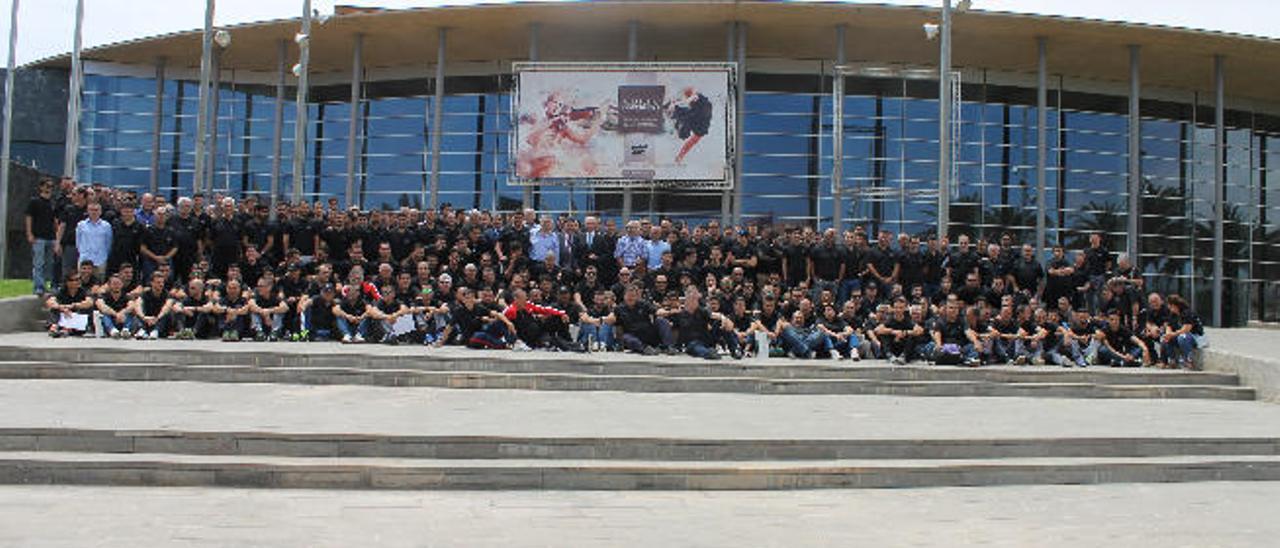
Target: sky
46	26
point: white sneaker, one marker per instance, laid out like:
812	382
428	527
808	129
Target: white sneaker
141	334
153	335
853	355
346	339
124	333
115	334
357	339
520	346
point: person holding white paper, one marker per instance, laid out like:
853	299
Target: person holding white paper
69	308
394	317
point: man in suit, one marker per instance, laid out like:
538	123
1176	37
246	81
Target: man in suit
569	239
595	247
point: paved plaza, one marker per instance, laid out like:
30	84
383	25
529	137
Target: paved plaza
1129	515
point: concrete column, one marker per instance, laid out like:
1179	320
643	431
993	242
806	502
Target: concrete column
437	119
157	126
353	127
202	110
633	51
1042	142
726	196
72	150
837	133
742	99
1135	153
534	28
944	123
277	125
215	104
300	118
1219	183
8	139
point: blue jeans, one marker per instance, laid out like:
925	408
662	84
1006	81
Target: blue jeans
602	333
361	328
844	346
1180	348
42	265
277	324
109	323
698	349
1128	358
801	344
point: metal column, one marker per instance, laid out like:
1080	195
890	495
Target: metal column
437	118
527	200
73	98
353	127
726	196
6	147
277	125
837	133
742	98
300	119
202	113
215	105
633	51
1219	183
944	123
1042	143
1135	154
157	126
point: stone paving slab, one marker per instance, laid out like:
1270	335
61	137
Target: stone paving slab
106	405
1130	515
358	473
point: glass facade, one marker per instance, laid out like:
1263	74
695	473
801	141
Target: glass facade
890	163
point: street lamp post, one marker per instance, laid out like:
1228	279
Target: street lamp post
943	33
202	115
8	140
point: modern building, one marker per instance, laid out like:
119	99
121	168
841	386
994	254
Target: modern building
1162	138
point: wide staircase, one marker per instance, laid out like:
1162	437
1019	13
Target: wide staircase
324	416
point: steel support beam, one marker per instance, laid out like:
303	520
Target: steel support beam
6	146
633	51
837	133
353	126
206	68
300	118
529	189
72	150
944	123
277	124
1042	142
1135	154
157	126
1219	183
437	119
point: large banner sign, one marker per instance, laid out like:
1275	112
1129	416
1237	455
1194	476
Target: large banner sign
624	123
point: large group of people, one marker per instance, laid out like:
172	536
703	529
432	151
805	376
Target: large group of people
114	264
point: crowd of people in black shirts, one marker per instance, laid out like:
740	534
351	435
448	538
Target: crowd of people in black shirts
214	267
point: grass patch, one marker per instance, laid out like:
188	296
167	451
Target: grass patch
14	288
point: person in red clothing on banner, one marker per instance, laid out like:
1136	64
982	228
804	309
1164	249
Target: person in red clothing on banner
539	326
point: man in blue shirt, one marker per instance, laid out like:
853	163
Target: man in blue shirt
631	248
543	242
657	246
93	238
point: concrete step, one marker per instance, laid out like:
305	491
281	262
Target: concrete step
611	382
666	449
160	469
458	360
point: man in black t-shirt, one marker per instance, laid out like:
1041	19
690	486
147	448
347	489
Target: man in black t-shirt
72	298
193	313
69	215
126	239
896	333
699	330
953	344
153	308
267	307
1118	346
233	310
116	309
640	326
41	229
224	239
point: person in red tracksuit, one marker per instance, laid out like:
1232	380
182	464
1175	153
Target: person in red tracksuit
539	326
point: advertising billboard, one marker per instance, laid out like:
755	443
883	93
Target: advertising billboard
624	123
